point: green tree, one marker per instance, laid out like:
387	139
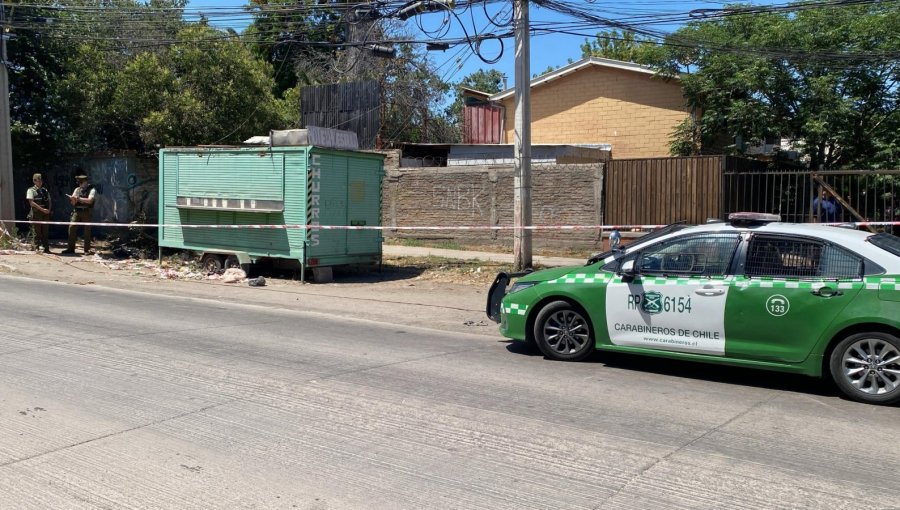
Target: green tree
330	42
66	57
824	78
36	61
298	34
412	95
203	89
619	45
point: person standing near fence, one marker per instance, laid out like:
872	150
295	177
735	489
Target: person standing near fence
39	202
826	208
82	200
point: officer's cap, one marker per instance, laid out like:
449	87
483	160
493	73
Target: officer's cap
37	176
81	177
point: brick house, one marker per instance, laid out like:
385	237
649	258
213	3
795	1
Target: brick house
601	101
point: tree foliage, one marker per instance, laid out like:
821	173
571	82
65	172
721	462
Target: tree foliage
307	38
620	45
282	30
93	75
123	74
826	79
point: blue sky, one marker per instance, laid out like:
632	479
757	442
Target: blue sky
546	50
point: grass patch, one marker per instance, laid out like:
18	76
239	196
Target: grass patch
9	240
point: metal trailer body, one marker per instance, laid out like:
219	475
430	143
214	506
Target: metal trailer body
295	186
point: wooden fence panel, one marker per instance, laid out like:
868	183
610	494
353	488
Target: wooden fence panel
663	190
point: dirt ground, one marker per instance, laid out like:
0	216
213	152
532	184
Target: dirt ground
427	292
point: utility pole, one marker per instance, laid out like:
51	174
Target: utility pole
7	207
522	140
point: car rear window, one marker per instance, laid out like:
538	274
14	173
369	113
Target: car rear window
886	242
788	257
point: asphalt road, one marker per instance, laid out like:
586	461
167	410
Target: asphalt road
118	399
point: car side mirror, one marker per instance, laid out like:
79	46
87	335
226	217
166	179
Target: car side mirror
626	269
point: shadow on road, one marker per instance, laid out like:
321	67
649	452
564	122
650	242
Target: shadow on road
700	371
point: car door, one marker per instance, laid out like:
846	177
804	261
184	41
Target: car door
676	299
791	288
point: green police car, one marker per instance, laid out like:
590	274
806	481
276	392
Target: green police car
752	292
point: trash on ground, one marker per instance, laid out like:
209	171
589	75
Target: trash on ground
259	281
233	275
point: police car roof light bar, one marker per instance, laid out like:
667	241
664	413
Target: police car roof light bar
752	218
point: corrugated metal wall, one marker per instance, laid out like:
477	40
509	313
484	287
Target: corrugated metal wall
482	124
234	176
331	188
295	194
238	174
349	106
364	205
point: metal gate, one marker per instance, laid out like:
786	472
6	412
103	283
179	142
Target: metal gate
861	195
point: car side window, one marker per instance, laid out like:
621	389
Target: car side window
784	257
700	255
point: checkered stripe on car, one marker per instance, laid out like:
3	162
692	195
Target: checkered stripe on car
871	283
682	280
515	308
584	278
882	283
794	284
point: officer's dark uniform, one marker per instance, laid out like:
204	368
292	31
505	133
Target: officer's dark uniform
81	214
38	196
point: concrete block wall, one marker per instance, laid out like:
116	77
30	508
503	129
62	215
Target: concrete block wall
634	112
127	189
483	196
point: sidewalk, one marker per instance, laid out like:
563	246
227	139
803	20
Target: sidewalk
418	251
398	297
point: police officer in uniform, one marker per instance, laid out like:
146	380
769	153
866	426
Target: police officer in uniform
39	201
82	200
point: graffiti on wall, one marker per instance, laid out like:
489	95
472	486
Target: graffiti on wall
127	188
126	191
546	215
461	197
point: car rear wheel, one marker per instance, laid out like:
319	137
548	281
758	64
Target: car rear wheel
866	367
562	332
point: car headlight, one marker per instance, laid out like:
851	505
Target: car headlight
521	286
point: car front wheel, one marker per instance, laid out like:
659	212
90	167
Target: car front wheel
562	332
866	367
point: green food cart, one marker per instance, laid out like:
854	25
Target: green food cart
268	202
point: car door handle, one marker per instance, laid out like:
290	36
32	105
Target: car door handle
826	292
709	291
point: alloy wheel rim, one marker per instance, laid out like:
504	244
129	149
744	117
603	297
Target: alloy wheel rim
872	366
566	332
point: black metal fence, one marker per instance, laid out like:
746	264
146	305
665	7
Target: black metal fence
808	197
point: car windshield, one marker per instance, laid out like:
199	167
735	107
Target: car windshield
668	229
887	242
